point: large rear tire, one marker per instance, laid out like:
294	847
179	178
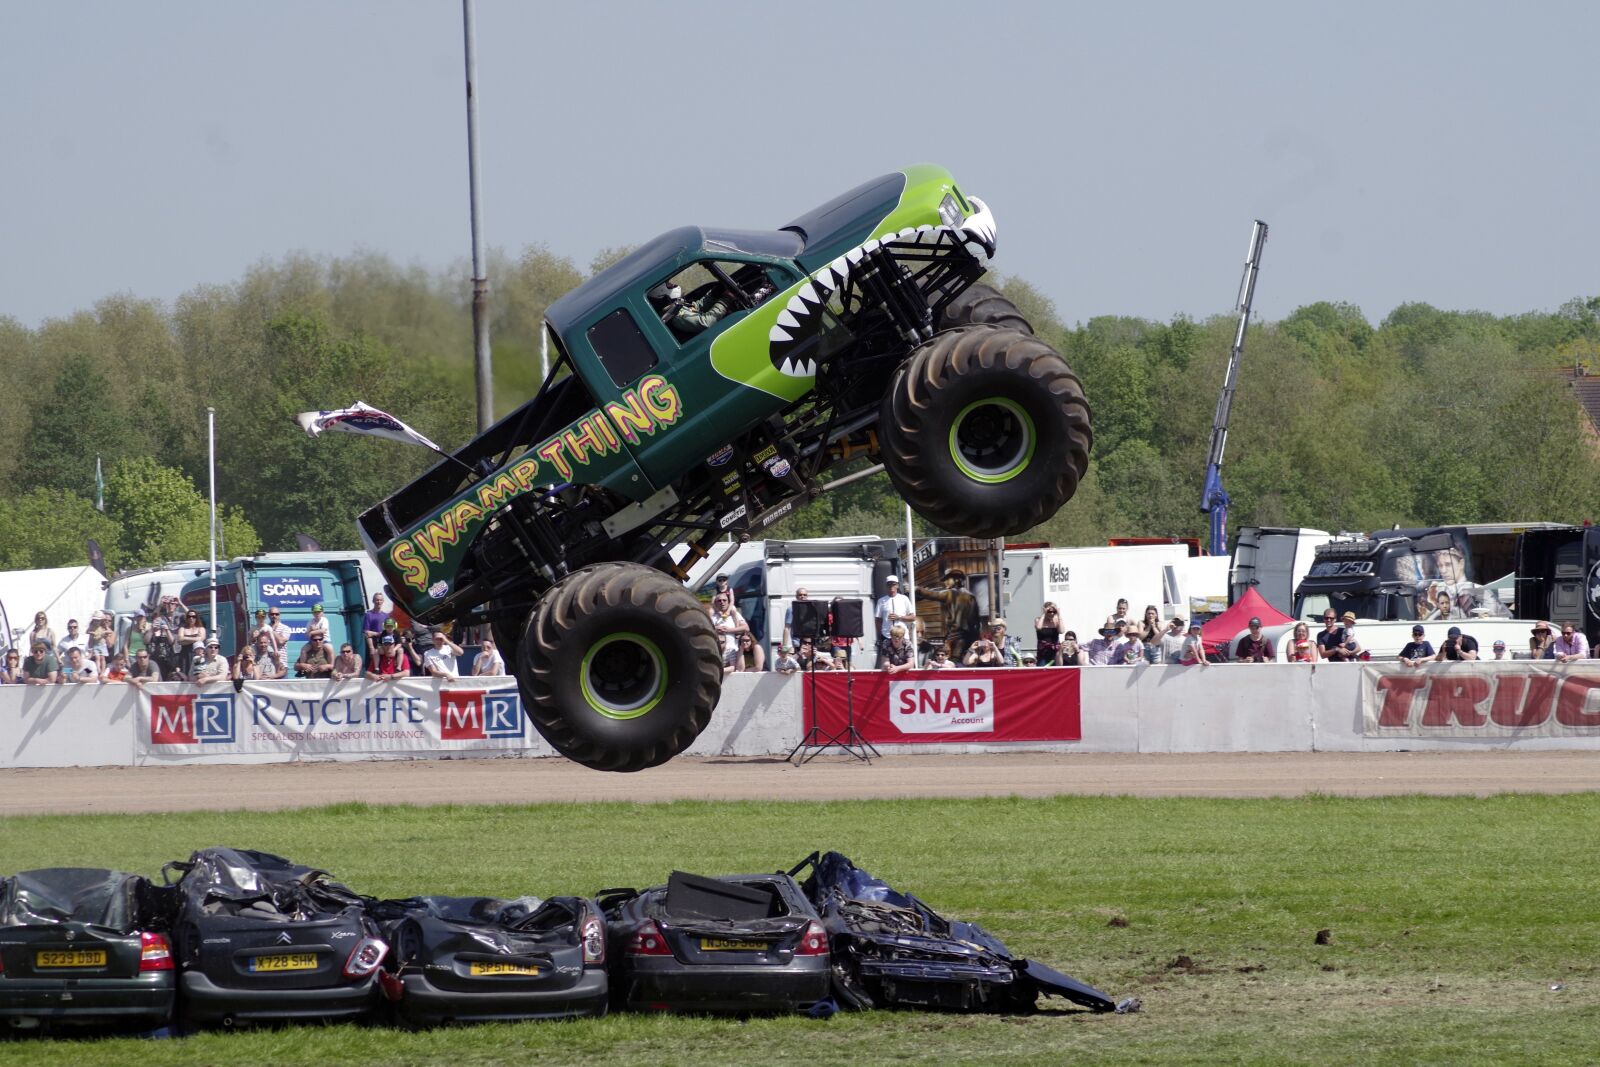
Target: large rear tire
983	305
619	666
985	431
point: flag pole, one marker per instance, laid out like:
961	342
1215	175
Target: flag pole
211	449
911	583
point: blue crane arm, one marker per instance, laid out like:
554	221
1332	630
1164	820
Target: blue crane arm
1213	497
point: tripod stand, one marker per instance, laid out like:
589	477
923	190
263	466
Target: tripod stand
849	739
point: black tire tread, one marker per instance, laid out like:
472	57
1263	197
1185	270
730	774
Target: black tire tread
906	434
616	584
983	305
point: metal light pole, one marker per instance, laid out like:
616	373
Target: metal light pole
482	361
211	449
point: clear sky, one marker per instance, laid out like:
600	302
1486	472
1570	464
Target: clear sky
1439	152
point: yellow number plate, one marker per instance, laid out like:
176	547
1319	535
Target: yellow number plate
296	961
76	957
476	968
718	944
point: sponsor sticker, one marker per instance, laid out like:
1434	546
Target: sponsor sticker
720	456
438	589
778	468
957	706
189	719
732	517
291	591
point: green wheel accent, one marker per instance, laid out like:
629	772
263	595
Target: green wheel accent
636	676
997	444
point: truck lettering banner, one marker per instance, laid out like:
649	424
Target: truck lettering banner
1486	699
290	718
948	706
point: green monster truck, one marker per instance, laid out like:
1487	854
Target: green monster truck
702	386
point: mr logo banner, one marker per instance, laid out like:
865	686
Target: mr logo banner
474	715
188	719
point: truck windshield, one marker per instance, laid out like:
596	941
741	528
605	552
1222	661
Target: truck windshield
1372	606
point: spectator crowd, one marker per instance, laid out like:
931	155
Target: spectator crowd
171	644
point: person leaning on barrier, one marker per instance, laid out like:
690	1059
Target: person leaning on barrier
347	664
1571	645
42	667
390	664
1499	649
1194	649
1301	648
809	660
212	667
79	667
1457	646
1418	651
488	660
1071	653
144	669
316	659
938	659
783	661
984	653
1348	650
1130	650
11	671
1331	635
1254	647
1100	649
897	656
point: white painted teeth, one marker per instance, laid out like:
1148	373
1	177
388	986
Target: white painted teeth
808	292
854	255
778	333
807	368
787	368
787	319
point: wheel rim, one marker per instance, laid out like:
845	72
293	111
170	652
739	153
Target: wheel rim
992	440
623	676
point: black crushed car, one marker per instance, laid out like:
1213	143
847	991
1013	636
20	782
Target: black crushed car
258	938
892	950
744	943
458	959
84	945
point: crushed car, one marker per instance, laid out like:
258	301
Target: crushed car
746	944
84	945
260	938
889	949
460	959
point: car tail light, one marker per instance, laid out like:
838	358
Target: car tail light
814	942
155	952
365	957
594	940
647	941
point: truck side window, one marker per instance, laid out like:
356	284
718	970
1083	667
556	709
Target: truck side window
622	348
701	295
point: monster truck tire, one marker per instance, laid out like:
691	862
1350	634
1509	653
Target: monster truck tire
983	305
985	431
619	667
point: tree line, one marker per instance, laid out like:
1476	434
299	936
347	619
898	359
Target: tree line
1427	417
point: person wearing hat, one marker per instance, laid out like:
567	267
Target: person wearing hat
783	660
315	659
211	667
892	607
959	609
1130	650
1100	649
1418	651
390	664
1172	641
1499	649
1194	649
318	624
1540	646
1010	648
1254	647
1571	645
1457	646
1348	650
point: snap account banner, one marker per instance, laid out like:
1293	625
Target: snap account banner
955	706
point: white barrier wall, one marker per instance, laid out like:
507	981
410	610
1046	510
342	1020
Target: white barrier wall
1225	708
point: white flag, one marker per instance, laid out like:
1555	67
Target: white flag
362	418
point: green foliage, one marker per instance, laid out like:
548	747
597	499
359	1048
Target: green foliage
160	515
51	528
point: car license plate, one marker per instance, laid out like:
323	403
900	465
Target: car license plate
76	957
719	944
292	961
476	968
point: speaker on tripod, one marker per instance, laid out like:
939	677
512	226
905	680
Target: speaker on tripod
809	619
845	620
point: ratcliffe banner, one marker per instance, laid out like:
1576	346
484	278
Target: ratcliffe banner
956	706
1490	699
300	718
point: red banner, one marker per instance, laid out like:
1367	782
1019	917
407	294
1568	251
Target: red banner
948	706
1483	699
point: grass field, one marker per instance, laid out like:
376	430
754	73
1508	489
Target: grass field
1449	921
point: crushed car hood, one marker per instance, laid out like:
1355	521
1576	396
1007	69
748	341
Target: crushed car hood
92	896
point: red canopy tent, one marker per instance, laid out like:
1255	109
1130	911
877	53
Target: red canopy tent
1221	630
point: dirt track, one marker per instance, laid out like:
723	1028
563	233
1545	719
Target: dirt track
269	786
